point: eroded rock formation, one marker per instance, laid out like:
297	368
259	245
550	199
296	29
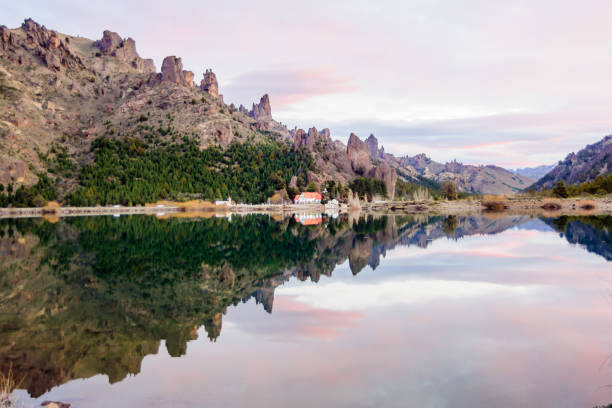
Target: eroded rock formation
172	71
387	174
262	110
209	84
124	50
372	144
45	44
358	155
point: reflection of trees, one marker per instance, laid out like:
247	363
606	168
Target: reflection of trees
449	225
594	233
96	295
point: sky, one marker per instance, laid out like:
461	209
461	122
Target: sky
518	83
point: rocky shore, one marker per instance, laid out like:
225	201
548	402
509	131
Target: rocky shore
551	206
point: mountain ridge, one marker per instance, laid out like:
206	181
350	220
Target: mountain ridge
585	165
534	173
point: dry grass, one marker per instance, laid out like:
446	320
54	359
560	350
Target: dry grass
489	197
185	214
187	206
52	207
495	205
7	386
196	205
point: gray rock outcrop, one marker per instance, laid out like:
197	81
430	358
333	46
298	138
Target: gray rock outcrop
209	84
124	50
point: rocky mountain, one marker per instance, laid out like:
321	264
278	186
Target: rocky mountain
487	179
468	178
61	94
534	173
586	165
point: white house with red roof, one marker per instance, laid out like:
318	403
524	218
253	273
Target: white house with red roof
308	198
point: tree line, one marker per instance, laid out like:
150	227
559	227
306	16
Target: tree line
128	171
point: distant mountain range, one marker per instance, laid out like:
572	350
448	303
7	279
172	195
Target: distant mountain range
487	179
586	165
534	173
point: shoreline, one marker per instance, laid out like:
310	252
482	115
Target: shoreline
567	206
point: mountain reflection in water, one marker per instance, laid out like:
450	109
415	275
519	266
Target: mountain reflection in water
95	295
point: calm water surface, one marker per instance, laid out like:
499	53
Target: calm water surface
361	312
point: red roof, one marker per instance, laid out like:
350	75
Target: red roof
315	196
308	221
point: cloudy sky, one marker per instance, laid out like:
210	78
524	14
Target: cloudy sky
515	83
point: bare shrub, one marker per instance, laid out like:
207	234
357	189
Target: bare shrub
586	205
421	194
494	206
551	206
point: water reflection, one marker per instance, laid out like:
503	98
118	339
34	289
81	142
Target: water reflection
90	296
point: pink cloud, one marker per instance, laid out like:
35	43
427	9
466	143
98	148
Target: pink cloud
319	323
286	85
492	254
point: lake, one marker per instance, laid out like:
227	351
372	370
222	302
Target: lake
308	311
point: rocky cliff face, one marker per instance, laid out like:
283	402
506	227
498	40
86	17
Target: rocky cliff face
468	178
125	50
60	89
342	163
583	166
209	84
262	110
534	173
358	155
372	144
172	71
34	43
387	174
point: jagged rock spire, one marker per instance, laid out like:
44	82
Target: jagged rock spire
209	83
